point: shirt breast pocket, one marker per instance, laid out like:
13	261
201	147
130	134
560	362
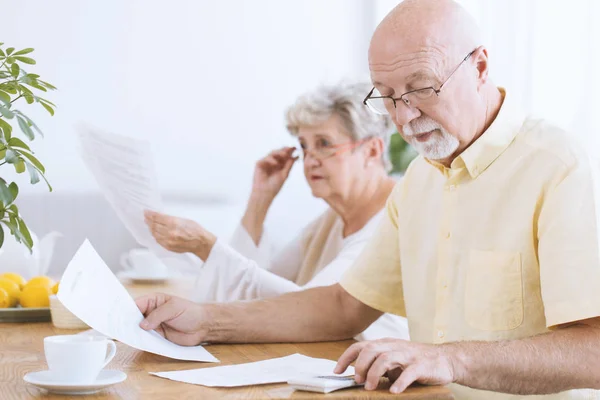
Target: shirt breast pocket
494	291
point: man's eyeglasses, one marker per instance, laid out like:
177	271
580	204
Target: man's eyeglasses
380	104
323	149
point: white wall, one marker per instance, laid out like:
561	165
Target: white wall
207	82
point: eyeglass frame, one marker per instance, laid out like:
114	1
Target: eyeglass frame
340	148
406	101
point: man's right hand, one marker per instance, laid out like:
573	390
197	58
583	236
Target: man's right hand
177	320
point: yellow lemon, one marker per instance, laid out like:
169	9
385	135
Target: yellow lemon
34	296
40	280
12	289
16	278
4	299
55	288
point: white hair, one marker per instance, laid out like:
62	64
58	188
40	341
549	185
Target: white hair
345	100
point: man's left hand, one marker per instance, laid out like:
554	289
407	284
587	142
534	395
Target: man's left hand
403	362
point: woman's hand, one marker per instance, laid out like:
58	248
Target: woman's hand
270	174
179	234
272	171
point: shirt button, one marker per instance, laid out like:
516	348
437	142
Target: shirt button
440	334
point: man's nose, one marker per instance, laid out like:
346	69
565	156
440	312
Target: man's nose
403	114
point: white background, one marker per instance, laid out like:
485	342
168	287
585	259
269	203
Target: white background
207	83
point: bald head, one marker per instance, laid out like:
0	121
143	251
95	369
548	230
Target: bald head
435	26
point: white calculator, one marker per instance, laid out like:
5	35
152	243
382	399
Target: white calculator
323	384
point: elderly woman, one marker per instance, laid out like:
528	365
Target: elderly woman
344	153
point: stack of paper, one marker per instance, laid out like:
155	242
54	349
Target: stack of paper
89	290
276	370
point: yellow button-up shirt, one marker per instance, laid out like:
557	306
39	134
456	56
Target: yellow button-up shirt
504	244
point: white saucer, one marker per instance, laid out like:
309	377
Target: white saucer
44	380
135	277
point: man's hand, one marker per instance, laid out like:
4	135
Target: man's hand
401	361
177	320
179	234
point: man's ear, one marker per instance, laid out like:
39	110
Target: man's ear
482	65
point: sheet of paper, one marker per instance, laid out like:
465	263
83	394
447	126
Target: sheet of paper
89	290
275	370
123	168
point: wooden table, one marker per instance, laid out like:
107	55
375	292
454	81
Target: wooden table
21	351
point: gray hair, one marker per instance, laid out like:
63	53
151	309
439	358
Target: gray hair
346	101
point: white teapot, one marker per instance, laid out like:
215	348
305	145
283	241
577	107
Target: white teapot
15	256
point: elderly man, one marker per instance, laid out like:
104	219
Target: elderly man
490	246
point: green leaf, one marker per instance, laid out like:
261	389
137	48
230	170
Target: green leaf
24	51
16	142
14	228
9	88
33	173
2	53
2	154
6	112
20	166
34	161
1	235
25	90
49	86
36	85
45	101
10	60
48	108
5	195
14	70
4	75
14	190
11	156
29	99
5	126
9	51
30	121
25	60
47	183
25	232
25	128
4	97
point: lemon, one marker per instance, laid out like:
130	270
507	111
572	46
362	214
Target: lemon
40	280
12	289
18	279
34	296
55	288
4	299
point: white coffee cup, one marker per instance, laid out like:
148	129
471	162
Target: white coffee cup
144	263
77	358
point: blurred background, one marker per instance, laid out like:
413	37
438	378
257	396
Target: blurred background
207	83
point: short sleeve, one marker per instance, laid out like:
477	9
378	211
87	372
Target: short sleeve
568	246
375	278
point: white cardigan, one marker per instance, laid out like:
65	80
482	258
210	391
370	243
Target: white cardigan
244	271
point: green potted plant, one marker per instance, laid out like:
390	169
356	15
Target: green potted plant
18	87
401	154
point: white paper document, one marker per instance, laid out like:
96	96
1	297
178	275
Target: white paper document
276	370
90	290
124	171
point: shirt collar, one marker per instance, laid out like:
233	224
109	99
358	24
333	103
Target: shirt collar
488	147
